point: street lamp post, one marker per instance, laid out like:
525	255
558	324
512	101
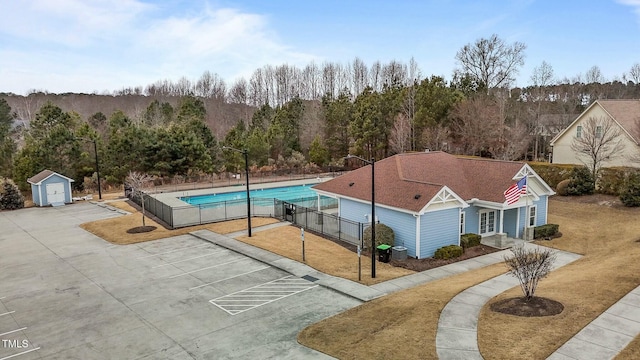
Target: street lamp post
245	152
95	151
373	210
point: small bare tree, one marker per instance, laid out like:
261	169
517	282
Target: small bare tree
138	182
400	134
529	266
597	141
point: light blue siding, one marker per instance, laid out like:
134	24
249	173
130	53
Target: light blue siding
541	211
41	189
354	211
510	222
438	229
403	224
471	224
35	194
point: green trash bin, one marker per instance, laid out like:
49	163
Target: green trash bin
384	253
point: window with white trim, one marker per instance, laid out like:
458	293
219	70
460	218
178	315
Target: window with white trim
532	215
579	131
461	223
599	132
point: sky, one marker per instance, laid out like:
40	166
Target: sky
87	46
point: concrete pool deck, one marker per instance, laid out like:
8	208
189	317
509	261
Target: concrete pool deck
173	198
177	213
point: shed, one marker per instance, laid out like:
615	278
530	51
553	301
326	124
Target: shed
50	188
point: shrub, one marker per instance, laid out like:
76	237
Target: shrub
10	196
384	235
562	187
630	195
469	240
582	182
612	181
448	252
545	231
529	266
552	174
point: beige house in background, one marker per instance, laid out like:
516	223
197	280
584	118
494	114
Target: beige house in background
623	113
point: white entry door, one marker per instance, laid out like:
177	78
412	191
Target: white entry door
487	222
55	193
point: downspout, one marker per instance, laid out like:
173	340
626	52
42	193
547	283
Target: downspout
417	216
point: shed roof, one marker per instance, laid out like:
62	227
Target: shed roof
401	178
44	175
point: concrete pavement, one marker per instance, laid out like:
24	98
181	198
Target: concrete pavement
456	337
67	294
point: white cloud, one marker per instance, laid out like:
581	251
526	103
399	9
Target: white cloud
635	4
60	45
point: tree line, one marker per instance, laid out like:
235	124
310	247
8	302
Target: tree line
373	112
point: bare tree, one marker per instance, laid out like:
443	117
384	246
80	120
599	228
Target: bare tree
529	266
492	61
138	183
476	125
597	140
634	73
515	143
435	137
542	75
541	78
359	73
400	134
238	93
594	76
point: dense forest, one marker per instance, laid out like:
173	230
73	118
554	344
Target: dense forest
292	119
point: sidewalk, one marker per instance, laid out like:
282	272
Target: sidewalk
456	336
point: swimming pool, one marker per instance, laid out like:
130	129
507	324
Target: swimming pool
286	193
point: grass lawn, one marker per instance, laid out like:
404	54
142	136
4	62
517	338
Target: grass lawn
605	236
321	254
115	229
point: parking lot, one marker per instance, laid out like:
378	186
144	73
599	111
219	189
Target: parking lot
66	294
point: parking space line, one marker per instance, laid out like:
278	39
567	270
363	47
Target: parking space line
193	258
20	353
174	250
236	303
7	313
12	331
225	279
208	267
2	297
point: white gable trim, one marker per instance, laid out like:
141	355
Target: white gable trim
446	199
50	175
561	133
579	118
526	170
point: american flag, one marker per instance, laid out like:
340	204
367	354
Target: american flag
513	193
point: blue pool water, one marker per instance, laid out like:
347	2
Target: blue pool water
286	193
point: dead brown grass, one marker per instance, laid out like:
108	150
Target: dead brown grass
114	230
321	254
398	326
606	236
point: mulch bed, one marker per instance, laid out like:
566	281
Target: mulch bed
430	263
141	229
535	307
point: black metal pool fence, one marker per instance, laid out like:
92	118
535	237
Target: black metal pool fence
301	212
